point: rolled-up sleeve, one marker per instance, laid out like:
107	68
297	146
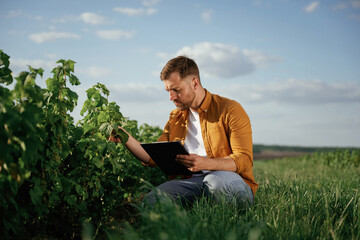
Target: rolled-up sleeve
240	137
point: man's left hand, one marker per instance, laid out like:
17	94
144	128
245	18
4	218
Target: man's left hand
193	162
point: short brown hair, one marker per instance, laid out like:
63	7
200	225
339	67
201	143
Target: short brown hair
182	64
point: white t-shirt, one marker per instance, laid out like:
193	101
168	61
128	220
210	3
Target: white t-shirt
193	141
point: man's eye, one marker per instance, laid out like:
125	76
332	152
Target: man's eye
173	90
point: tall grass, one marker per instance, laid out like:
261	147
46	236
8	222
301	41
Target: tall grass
311	197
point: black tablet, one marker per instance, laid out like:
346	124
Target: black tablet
164	154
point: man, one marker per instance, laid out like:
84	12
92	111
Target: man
215	130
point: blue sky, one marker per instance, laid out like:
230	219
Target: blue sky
293	65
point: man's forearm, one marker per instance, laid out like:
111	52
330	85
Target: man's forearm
136	149
221	164
197	163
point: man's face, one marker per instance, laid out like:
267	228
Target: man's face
181	91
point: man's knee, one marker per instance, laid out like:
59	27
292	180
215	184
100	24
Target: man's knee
221	181
228	185
179	191
213	183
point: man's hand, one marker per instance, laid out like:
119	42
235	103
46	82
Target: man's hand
114	137
193	162
197	163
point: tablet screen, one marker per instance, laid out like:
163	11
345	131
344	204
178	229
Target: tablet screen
164	154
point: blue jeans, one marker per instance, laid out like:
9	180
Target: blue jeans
215	184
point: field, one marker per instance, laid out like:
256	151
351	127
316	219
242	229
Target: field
308	197
65	180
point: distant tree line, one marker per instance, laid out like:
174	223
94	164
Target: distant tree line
257	148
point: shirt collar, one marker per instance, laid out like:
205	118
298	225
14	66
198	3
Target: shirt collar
204	106
206	103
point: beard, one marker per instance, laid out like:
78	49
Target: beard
186	102
181	106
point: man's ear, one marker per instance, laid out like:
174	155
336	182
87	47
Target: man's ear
195	83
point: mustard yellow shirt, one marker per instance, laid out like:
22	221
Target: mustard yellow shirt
226	131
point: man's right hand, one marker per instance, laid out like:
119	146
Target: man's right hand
131	143
114	137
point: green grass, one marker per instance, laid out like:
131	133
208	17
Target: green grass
311	197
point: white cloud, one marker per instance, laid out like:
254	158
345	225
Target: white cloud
340	6
355	17
311	7
207	15
49	36
20	13
115	34
95	71
65	19
219	60
222	61
18	65
164	56
51	56
355	3
86	17
297	91
259	59
135	11
149	3
138	92
38	18
14	13
92	18
148	10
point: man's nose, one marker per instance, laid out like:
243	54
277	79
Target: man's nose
172	95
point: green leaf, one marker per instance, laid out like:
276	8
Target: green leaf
116	117
36	194
71	64
5	76
85	107
4	59
5	72
80	190
102	147
74	80
122	135
36	71
103	128
90	92
22	77
72	95
103	117
49	83
71	200
103	88
88	127
98	162
61	61
53	199
29	80
97	99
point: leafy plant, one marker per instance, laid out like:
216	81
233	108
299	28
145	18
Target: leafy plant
56	175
